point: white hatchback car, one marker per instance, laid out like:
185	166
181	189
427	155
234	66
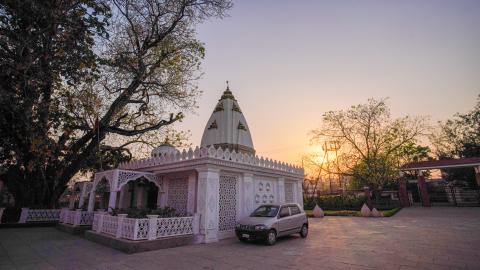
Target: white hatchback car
270	221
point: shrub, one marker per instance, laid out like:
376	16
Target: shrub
165	212
336	202
11	214
131	212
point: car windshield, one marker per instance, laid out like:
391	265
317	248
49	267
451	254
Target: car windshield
265	211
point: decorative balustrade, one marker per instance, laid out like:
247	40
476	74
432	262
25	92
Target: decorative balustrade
39	215
215	153
76	217
144	228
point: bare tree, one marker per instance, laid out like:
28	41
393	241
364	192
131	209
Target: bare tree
371	143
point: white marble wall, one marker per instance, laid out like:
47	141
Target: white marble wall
251	191
247	199
207	203
265	190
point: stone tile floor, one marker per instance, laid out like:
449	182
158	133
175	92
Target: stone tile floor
415	238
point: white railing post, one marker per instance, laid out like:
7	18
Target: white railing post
100	222
121	218
62	215
196	223
135	229
23	215
95	222
77	217
65	214
152	227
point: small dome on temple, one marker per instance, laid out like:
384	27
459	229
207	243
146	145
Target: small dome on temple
164	149
227	127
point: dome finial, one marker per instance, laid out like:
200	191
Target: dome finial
166	142
227	94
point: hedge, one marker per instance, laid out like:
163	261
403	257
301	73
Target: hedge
337	202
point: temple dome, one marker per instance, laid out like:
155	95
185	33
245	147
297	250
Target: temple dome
164	149
227	127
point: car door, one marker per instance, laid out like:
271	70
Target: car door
284	222
296	217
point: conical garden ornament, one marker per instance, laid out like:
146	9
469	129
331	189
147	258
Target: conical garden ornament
318	212
376	213
365	212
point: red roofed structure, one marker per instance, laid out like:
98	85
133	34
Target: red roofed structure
442	164
431	165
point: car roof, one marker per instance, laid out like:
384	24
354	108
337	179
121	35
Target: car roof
278	205
270	204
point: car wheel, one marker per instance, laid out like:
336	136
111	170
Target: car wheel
304	231
242	239
271	238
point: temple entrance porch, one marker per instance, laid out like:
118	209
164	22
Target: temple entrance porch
140	194
115	189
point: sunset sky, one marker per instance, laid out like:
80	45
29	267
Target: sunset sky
288	62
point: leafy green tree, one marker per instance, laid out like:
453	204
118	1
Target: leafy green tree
459	137
371	144
86	80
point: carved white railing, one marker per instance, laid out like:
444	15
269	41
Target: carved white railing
39	215
76	217
144	228
70	217
215	153
174	226
109	225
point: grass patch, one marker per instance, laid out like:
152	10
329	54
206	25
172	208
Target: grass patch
391	212
341	213
350	213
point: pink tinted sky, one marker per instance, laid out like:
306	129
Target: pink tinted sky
288	62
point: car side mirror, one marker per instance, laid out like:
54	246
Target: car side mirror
281	215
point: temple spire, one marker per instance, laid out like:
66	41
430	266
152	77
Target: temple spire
227	94
227	127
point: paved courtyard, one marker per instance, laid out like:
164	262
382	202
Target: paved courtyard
416	238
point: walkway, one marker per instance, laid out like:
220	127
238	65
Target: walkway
416	238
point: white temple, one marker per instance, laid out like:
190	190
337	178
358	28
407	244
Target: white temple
221	181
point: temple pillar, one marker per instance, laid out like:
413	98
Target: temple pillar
248	199
208	204
123	191
191	193
91	199
281	190
112	199
164	194
71	202
422	188
299	199
83	192
81	201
